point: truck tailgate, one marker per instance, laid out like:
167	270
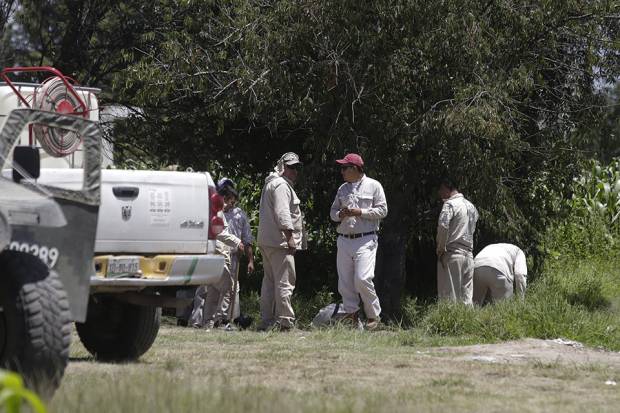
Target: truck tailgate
146	212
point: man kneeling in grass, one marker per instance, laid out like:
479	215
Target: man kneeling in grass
500	270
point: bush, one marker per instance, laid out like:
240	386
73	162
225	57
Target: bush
578	237
569	301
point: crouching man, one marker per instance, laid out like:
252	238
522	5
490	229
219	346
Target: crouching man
500	271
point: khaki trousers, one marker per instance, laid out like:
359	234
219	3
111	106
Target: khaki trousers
277	288
207	303
488	280
455	274
224	310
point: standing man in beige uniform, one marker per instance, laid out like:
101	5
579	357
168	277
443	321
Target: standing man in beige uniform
359	207
455	243
280	235
500	270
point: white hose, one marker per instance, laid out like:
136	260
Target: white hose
53	96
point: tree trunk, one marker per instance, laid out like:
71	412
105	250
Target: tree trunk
391	257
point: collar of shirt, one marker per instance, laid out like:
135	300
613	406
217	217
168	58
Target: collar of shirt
356	185
288	181
455	196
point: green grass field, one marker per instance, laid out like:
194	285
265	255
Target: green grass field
335	371
422	365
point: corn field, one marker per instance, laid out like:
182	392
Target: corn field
597	192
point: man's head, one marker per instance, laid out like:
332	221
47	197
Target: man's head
225	182
351	167
230	197
447	188
290	165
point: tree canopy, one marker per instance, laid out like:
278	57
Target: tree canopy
492	93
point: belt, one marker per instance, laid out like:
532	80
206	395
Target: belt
353	236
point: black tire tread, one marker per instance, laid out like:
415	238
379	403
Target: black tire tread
42	327
123	340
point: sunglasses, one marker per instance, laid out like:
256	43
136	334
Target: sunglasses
295	166
345	167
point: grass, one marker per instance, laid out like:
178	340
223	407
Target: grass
576	299
399	369
335	370
573	299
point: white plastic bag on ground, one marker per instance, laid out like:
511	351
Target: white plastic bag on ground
328	315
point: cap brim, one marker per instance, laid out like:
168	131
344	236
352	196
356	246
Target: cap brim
293	163
342	161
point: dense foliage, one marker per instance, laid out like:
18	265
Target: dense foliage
498	94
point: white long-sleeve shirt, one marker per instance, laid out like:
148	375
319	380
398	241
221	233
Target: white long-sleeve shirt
366	194
239	225
507	259
457	224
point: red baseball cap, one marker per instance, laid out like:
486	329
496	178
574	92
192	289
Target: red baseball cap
351	159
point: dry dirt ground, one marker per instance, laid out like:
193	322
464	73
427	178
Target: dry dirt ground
341	371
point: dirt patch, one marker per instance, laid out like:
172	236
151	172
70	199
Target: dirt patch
528	350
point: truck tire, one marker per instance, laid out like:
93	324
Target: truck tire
35	321
118	331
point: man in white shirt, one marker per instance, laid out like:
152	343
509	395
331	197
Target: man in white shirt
455	243
500	271
359	207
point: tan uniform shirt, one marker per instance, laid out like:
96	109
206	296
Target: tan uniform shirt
457	224
507	259
225	241
279	211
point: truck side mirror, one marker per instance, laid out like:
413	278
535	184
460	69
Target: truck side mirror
27	159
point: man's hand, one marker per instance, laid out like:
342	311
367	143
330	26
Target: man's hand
241	247
292	246
349	212
250	267
290	241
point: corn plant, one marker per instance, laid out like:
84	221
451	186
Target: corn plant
597	192
13	394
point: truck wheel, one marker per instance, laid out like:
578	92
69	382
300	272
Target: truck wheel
35	321
117	331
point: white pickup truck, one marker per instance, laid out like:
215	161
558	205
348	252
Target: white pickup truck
155	235
155	232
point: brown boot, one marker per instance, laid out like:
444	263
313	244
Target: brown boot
373	324
351	320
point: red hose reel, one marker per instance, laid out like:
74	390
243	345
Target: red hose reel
55	94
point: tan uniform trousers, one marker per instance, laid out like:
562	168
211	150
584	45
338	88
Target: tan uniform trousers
455	274
224	311
277	288
490	281
206	309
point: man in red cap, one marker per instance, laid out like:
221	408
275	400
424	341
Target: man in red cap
359	207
